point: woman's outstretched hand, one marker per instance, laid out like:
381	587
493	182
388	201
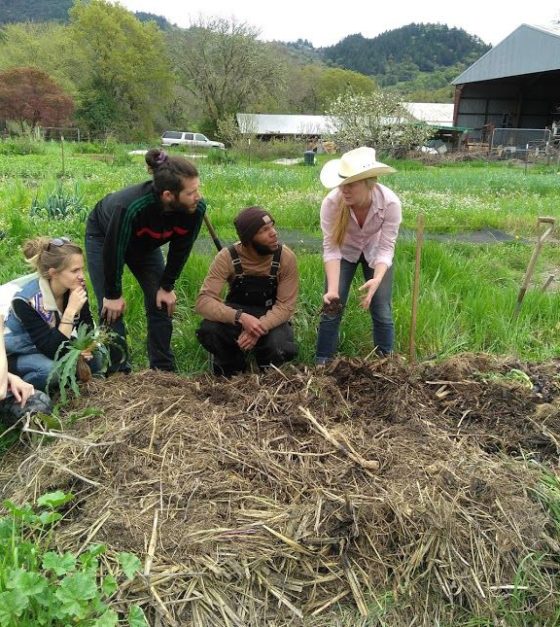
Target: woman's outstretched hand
369	287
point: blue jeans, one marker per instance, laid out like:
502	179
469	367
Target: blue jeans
35	368
147	269
380	309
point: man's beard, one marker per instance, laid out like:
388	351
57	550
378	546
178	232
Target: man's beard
175	205
263	250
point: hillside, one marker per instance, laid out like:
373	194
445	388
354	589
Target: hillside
34	10
55	11
401	54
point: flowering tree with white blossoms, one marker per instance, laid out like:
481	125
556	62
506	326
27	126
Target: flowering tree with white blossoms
378	120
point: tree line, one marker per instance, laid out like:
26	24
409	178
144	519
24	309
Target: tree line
132	79
109	72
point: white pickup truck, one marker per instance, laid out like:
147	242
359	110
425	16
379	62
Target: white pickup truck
187	138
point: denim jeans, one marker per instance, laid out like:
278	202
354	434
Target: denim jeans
380	309
35	368
147	269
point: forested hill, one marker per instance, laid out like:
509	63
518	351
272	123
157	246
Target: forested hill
34	10
421	47
55	11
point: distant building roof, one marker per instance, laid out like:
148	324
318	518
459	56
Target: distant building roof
433	113
529	49
276	124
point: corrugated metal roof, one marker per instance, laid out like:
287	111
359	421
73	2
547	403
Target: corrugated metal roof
433	113
527	50
269	124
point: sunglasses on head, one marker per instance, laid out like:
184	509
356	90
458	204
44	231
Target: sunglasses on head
58	241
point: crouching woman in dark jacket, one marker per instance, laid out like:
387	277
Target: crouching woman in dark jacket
47	309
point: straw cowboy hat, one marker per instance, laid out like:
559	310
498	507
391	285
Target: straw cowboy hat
354	165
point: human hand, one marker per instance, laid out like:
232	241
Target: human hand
330	296
247	341
370	287
113	309
20	389
76	300
167	299
252	325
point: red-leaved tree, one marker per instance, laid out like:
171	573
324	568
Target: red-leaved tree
29	95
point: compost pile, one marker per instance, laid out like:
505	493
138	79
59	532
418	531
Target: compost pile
277	498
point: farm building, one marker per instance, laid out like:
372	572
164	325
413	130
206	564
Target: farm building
515	85
267	126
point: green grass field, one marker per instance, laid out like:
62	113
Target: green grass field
467	291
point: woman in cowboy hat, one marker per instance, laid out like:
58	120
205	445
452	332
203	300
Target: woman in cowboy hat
360	222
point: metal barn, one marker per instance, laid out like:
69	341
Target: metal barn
516	84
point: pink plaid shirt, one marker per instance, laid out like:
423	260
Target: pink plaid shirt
375	239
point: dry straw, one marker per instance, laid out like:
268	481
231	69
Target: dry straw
283	498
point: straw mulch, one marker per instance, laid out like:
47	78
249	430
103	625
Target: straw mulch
280	498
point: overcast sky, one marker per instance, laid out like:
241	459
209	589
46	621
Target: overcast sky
326	23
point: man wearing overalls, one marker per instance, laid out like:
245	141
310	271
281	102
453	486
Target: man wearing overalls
255	315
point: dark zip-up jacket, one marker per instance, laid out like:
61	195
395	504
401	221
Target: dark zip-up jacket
133	221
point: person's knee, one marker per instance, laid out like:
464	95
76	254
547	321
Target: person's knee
207	335
382	314
41	376
277	348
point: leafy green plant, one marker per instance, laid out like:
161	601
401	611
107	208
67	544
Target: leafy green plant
69	363
60	204
41	586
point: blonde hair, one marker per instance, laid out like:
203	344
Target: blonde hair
43	253
343	215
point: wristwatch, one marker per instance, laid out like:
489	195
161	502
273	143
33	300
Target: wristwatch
238	315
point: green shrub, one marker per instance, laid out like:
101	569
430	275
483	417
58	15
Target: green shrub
219	157
24	146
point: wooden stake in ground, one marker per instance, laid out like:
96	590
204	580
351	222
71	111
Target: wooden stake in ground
547	283
416	286
532	262
62	154
213	234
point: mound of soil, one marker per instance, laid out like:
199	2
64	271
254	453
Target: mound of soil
270	499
